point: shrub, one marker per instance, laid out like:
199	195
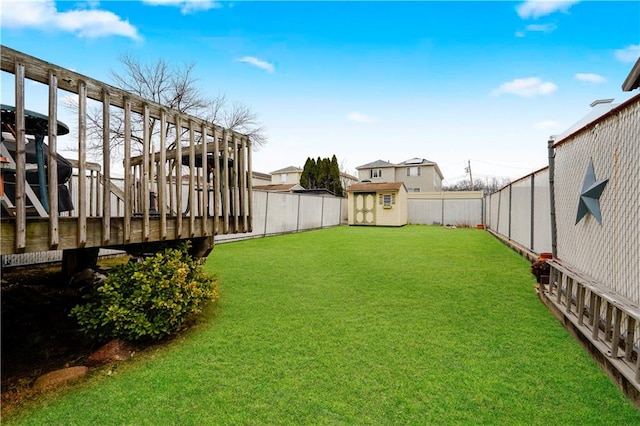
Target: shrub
147	300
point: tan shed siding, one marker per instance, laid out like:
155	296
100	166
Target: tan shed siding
397	214
609	253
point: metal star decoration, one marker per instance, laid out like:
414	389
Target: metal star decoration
590	195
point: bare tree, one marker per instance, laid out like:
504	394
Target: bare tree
175	87
488	185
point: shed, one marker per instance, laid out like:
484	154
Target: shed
377	204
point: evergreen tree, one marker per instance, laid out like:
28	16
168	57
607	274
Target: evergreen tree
336	182
307	179
323	173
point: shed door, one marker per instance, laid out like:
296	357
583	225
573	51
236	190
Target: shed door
365	204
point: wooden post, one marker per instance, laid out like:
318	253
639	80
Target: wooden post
144	181
628	341
236	185
192	168
243	183
615	340
595	331
249	186
216	180
569	295
82	163
21	210
52	166
608	321
580	308
561	278
106	167
205	189
162	176
178	177
225	181
128	178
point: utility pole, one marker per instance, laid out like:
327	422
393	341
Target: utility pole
468	170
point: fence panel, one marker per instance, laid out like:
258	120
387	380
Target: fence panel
521	212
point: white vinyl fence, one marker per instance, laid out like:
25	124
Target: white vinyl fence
520	212
446	208
273	213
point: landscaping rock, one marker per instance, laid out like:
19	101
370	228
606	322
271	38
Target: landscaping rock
59	377
115	350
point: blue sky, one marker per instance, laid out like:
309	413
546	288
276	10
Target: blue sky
486	82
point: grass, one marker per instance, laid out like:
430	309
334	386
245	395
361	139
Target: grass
352	325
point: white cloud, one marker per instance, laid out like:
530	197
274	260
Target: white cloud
186	6
95	23
538	8
630	53
526	87
259	63
358	117
540	28
547	125
543	28
85	23
590	78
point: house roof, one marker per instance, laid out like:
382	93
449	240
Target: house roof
259	175
375	164
633	79
559	140
348	176
283	187
370	186
417	162
290	169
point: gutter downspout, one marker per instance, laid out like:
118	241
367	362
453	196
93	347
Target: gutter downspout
552	200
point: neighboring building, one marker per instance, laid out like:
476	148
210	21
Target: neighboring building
347	180
417	174
258	179
287	175
283	187
377	204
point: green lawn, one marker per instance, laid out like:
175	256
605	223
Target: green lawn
352	325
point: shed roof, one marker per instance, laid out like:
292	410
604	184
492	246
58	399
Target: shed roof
372	187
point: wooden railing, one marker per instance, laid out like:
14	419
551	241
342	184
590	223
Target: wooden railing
607	320
214	162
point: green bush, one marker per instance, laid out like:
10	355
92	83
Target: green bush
147	300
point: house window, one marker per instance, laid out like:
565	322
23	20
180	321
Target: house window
283	177
414	171
413	189
375	173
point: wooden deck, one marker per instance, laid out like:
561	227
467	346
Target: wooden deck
186	179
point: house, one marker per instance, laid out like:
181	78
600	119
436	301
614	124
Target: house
287	175
377	204
347	180
417	174
258	179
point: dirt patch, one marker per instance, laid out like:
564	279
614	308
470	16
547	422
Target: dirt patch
38	336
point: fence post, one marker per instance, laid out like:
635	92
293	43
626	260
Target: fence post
266	214
510	203
533	183
298	215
